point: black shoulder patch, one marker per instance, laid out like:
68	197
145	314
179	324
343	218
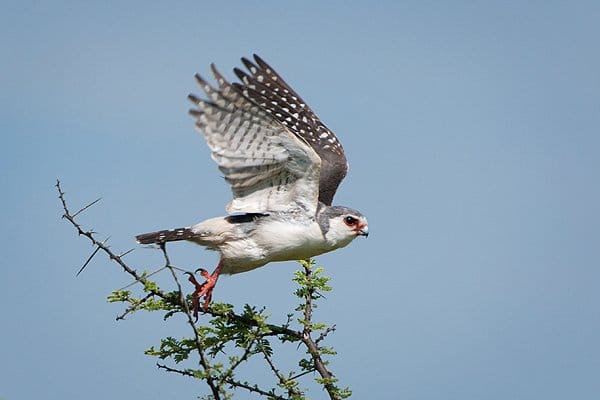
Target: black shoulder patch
242	218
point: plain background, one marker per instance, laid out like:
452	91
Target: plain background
472	130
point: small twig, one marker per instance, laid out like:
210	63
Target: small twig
282	379
127	252
86	207
88	260
134	306
244	357
319	295
276	371
177	371
147	276
301	374
255	389
325	333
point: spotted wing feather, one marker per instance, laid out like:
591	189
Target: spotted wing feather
268	167
267	89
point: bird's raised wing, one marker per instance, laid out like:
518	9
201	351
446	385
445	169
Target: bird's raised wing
268	167
266	88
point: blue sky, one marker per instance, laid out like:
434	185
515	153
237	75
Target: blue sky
472	132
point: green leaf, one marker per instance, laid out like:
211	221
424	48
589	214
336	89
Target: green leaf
118	296
150	286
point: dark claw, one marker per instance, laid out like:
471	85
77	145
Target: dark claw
204	273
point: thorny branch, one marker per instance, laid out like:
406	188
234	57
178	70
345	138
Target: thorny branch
215	381
312	346
101	245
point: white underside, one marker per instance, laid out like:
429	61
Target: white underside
275	241
270	241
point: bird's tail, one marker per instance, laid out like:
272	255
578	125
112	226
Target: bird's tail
168	235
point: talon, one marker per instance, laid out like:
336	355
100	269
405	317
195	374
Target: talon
203	290
193	280
203	272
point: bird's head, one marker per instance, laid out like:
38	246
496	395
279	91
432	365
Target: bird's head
341	225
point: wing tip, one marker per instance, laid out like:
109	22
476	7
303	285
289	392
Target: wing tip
194	99
262	63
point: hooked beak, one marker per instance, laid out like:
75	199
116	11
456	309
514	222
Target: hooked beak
363	231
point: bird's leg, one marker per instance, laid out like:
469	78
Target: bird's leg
205	289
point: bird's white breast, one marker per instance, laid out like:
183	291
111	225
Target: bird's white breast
273	241
290	241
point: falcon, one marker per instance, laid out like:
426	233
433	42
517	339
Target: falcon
284	167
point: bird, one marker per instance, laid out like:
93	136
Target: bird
284	167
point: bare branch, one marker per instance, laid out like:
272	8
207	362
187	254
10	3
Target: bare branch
127	252
325	333
86	207
90	235
301	374
275	370
175	370
255	389
88	261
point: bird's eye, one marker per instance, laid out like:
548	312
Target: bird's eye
350	221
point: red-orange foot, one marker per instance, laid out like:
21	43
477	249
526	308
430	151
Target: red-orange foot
203	290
